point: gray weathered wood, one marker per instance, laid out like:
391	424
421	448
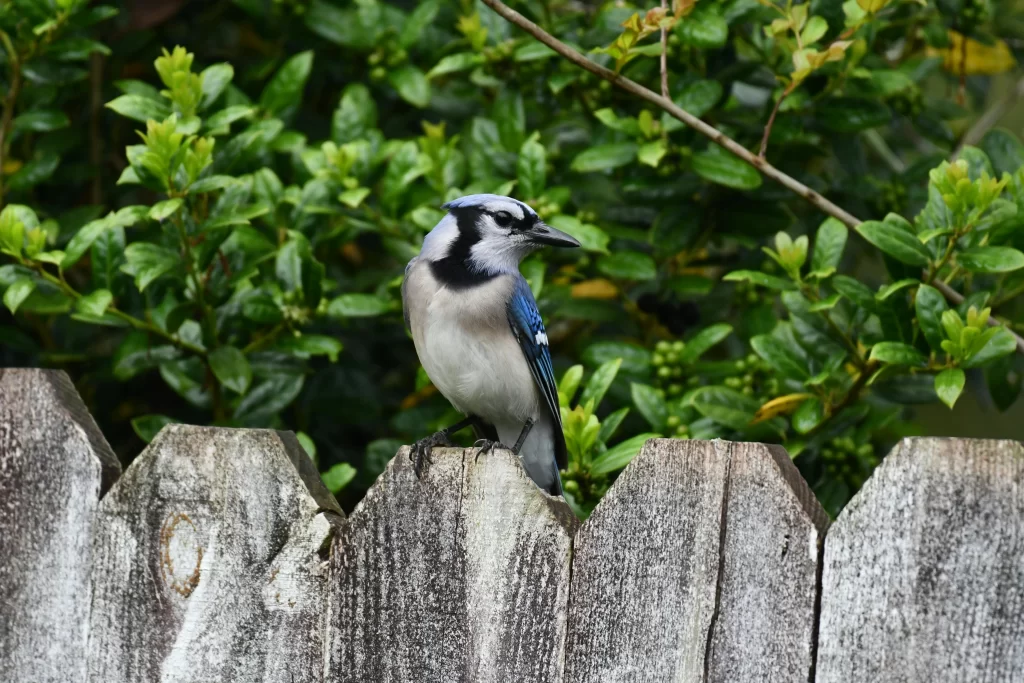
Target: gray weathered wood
54	465
700	564
210	562
924	570
461	576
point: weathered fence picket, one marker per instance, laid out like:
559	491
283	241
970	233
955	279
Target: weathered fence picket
207	562
54	466
219	556
699	565
924	569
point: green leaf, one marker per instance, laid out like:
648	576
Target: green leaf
829	243
929	304
826	304
949	384
597	385
814	29
620	455
162	210
140	108
532	51
354	197
222	119
725	406
284	91
230	366
1001	344
705	30
852	114
41	121
784	359
358	306
313	345
990	259
532	169
421	17
650	404
411	84
857	292
610	424
719	166
604	157
216	79
211	184
901	244
1004	150
897	353
890	289
569	384
146	262
628	265
702	341
652	152
636	359
355	116
36	171
338	477
95	303
590	237
17	292
759	278
455	63
809	415
148	426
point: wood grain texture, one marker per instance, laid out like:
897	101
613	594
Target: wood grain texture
460	576
700	564
924	569
54	465
210	562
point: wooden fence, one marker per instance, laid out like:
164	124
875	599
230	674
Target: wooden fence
219	556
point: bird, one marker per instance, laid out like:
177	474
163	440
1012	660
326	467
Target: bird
479	335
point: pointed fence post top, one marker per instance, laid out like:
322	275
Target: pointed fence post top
36	398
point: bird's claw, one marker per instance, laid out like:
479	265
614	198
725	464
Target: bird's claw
419	454
486	446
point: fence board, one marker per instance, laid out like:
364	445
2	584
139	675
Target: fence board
54	465
208	562
700	564
462	575
924	569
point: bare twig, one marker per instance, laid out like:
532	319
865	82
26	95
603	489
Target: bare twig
716	136
664	56
771	120
990	118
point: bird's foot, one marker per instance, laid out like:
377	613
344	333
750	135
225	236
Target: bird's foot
486	446
419	454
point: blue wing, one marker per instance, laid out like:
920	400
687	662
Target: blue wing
528	328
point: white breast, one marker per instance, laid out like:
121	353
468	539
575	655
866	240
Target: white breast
467	349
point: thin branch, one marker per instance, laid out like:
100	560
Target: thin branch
990	118
716	136
664	56
771	120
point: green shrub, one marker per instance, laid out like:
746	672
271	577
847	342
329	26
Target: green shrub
242	266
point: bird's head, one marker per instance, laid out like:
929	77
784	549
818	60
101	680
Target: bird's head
490	234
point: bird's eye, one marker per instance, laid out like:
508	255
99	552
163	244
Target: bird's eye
503	218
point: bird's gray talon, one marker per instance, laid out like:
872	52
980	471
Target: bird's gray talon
419	454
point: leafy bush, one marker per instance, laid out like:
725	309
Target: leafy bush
223	242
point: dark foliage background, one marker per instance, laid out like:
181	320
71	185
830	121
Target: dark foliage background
338	129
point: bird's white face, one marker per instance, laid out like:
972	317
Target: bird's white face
490	234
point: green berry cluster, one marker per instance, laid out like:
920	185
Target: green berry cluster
845	460
891	197
388	55
973	13
909	102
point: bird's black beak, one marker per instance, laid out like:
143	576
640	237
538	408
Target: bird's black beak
544	235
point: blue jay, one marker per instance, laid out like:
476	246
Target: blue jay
479	335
